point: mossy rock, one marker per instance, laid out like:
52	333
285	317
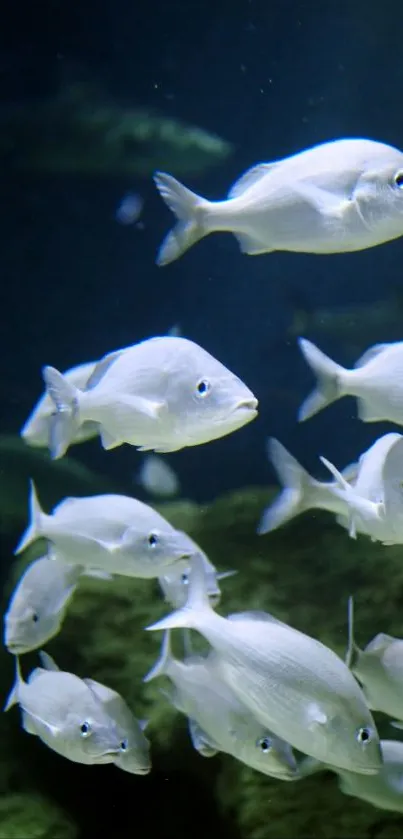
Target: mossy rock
304	574
31	816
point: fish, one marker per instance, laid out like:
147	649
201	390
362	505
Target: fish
376	381
162	394
81	131
291	683
301	492
175	580
378	668
341	196
113	533
129	209
35	430
384	790
158	478
375	503
218	722
38	605
63	711
134	752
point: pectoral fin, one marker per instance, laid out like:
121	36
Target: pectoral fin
201	742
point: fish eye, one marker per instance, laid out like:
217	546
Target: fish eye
185	578
264	744
399	179
152	540
35	617
363	735
123	746
85	729
203	387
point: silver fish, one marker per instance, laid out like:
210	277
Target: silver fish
376	381
66	715
114	533
218	722
378	668
175	580
301	492
158	478
376	502
162	394
341	196
290	682
384	790
37	427
134	753
38	605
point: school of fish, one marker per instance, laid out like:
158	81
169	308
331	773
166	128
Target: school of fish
263	692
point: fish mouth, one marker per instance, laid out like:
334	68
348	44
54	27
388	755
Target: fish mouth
249	404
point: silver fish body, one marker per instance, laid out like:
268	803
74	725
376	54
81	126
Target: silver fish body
162	394
219	722
66	715
376	381
290	682
38	605
175	580
134	755
340	196
114	533
384	790
36	430
301	492
379	669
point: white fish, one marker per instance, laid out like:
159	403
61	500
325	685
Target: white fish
162	394
218	722
376	381
36	429
175	580
379	669
130	208
291	683
301	492
384	790
341	196
114	533
375	503
66	715
134	753
38	605
158	478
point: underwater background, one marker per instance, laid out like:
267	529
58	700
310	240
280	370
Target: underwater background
269	78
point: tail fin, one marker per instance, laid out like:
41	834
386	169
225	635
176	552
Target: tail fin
197	603
186	206
296	482
64	422
161	666
327	373
34	529
12	698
